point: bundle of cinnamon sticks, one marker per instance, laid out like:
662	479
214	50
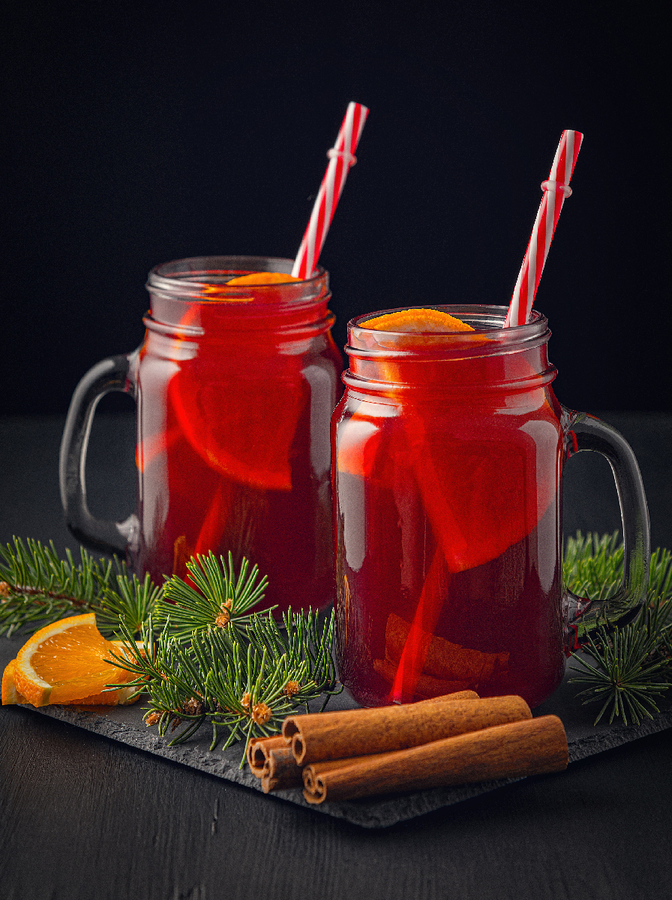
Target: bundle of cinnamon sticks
448	740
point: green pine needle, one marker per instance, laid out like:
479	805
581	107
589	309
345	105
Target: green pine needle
593	568
40	588
628	672
631	661
209	658
129	600
242	680
215	593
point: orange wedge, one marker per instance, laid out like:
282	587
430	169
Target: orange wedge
9	691
263	278
417	321
360	436
68	661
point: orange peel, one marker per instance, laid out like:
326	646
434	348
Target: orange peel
9	691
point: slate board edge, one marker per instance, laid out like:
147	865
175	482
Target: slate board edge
369	813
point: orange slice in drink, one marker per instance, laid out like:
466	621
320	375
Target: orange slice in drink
69	662
416	329
359	441
479	482
242	424
240	412
263	278
419	321
359	437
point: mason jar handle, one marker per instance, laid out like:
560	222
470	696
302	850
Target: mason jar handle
585	432
108	375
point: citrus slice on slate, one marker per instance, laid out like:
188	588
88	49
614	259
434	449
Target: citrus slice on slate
9	691
68	661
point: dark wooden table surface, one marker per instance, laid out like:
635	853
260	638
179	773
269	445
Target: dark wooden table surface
84	816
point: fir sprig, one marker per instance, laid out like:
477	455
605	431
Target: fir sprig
214	594
305	641
631	664
242	680
628	673
203	654
259	685
39	587
593	568
127	599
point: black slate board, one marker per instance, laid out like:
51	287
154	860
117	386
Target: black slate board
125	724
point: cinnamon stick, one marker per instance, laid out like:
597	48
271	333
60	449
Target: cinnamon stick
425	686
271	760
258	750
513	750
336	735
281	770
451	695
443	659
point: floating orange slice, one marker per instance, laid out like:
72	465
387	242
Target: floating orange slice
67	662
414	329
241	413
263	278
360	437
417	321
243	427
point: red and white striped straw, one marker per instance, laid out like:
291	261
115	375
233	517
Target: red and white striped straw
341	157
556	190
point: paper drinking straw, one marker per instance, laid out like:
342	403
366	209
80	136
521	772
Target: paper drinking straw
341	157
556	189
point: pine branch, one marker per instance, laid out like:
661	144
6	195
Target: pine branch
208	657
632	660
129	600
217	661
243	680
629	670
213	595
593	568
40	587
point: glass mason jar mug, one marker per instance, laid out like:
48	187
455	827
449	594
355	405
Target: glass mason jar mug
234	387
448	452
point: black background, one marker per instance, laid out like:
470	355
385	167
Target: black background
141	132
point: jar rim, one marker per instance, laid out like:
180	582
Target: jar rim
191	276
489	317
489	336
